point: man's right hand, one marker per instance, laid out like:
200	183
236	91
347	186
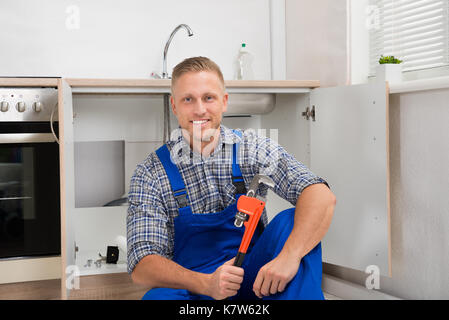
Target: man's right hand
225	281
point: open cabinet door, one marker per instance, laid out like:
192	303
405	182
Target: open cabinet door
349	149
69	276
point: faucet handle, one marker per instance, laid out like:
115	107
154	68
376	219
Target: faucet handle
154	75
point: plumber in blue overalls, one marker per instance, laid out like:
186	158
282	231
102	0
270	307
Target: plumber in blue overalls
182	241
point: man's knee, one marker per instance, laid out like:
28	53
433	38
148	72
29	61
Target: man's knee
283	220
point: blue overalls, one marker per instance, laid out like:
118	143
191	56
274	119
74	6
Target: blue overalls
203	242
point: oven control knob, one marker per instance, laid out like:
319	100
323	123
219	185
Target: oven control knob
37	106
21	106
4	106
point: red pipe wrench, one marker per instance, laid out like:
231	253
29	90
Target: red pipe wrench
249	210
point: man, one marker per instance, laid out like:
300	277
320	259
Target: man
181	237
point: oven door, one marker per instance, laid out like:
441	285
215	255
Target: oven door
29	191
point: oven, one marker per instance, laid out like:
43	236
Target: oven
29	173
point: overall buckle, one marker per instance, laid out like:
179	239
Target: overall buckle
239	185
181	198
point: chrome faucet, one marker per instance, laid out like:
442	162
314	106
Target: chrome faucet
190	33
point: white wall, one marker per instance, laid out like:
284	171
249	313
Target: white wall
126	39
317	41
359	44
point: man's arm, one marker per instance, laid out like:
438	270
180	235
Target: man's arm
313	215
159	272
148	242
156	271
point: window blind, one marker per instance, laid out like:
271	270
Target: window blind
415	31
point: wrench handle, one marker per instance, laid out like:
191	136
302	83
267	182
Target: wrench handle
253	207
239	259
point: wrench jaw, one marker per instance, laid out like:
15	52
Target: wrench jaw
241	217
257	180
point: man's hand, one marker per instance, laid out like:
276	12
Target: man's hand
225	281
275	275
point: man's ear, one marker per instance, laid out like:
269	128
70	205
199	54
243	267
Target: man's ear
172	101
225	101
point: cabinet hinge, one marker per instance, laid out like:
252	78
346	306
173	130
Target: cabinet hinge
76	249
309	113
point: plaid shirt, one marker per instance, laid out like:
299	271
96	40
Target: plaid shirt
153	208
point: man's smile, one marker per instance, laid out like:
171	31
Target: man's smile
201	122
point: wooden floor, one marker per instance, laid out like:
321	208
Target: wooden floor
117	286
33	290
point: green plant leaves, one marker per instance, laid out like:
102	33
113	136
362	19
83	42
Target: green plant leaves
389	59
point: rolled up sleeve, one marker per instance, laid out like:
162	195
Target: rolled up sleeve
290	176
146	224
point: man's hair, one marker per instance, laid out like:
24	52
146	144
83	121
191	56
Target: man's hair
196	64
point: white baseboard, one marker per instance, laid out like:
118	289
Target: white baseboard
350	291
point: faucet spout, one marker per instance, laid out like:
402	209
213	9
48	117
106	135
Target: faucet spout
189	32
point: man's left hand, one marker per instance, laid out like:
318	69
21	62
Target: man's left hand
275	275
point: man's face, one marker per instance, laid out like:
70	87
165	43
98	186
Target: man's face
198	101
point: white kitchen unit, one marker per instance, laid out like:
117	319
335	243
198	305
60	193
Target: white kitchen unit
341	133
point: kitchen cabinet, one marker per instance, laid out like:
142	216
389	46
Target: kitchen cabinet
340	133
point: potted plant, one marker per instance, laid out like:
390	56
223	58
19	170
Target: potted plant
389	69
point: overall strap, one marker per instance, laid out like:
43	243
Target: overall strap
175	178
237	178
177	183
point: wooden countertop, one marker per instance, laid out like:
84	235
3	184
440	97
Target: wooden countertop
159	86
82	85
29	82
73	82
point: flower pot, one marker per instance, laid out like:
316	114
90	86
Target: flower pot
389	72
